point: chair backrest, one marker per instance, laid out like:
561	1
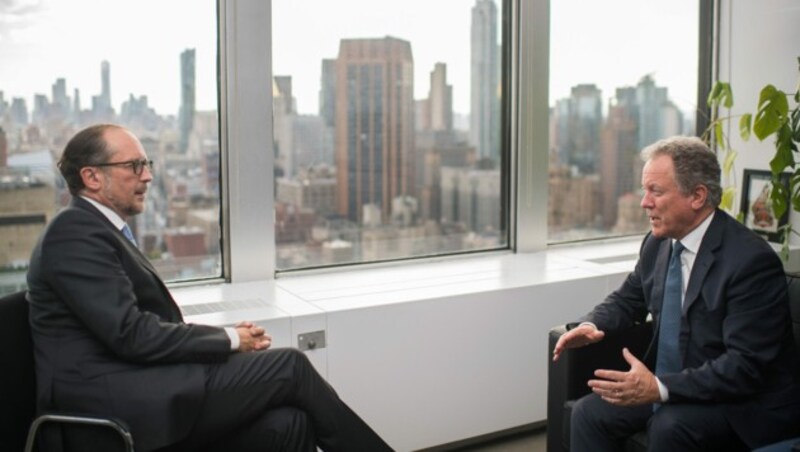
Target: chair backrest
17	377
794	306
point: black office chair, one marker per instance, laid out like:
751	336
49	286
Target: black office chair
18	429
568	376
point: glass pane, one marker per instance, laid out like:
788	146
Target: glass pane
623	74
387	130
141	64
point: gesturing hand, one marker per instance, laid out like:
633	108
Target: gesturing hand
635	387
577	337
252	337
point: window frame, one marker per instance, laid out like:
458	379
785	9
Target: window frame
245	106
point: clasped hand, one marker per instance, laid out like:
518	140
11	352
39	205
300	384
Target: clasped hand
252	337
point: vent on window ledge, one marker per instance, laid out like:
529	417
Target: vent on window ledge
220	306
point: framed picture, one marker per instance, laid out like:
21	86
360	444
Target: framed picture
756	207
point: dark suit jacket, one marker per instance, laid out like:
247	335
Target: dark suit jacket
108	337
736	339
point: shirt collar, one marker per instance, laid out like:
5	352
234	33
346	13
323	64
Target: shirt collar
694	238
112	216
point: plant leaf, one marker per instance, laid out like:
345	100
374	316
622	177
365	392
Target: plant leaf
720	94
719	135
744	126
796	123
728	194
783	158
772	112
785	229
784	146
779	197
727	164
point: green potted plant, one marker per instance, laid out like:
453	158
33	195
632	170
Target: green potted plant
778	117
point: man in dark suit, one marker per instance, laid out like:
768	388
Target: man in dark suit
726	375
109	339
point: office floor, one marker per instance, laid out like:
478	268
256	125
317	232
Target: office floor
532	441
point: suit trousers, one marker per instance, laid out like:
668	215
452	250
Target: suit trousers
597	425
275	400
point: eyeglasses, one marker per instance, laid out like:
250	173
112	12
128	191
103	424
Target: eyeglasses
136	165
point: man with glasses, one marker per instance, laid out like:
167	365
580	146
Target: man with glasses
109	339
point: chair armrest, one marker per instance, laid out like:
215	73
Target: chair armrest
567	377
116	425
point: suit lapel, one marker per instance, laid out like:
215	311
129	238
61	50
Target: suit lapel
137	253
705	259
81	203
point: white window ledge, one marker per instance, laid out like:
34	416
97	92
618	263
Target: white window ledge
341	290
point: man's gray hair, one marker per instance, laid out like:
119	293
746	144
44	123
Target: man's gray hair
695	164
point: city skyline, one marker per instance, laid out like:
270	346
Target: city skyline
376	180
148	65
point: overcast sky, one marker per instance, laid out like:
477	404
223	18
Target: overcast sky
41	40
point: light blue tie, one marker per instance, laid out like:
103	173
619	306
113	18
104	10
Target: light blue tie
126	231
669	356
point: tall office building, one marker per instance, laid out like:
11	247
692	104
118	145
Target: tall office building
658	116
105	94
60	107
283	115
619	155
105	74
76	106
469	198
584	121
3	149
41	109
327	92
637	117
101	103
327	108
186	113
19	112
485	81
374	124
440	99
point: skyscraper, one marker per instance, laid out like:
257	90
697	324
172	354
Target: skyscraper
584	123
327	93
3	149
658	116
186	113
619	154
374	124
101	104
60	107
440	99
485	76
105	74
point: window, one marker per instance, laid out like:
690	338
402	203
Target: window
142	64
623	74
374	152
387	130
